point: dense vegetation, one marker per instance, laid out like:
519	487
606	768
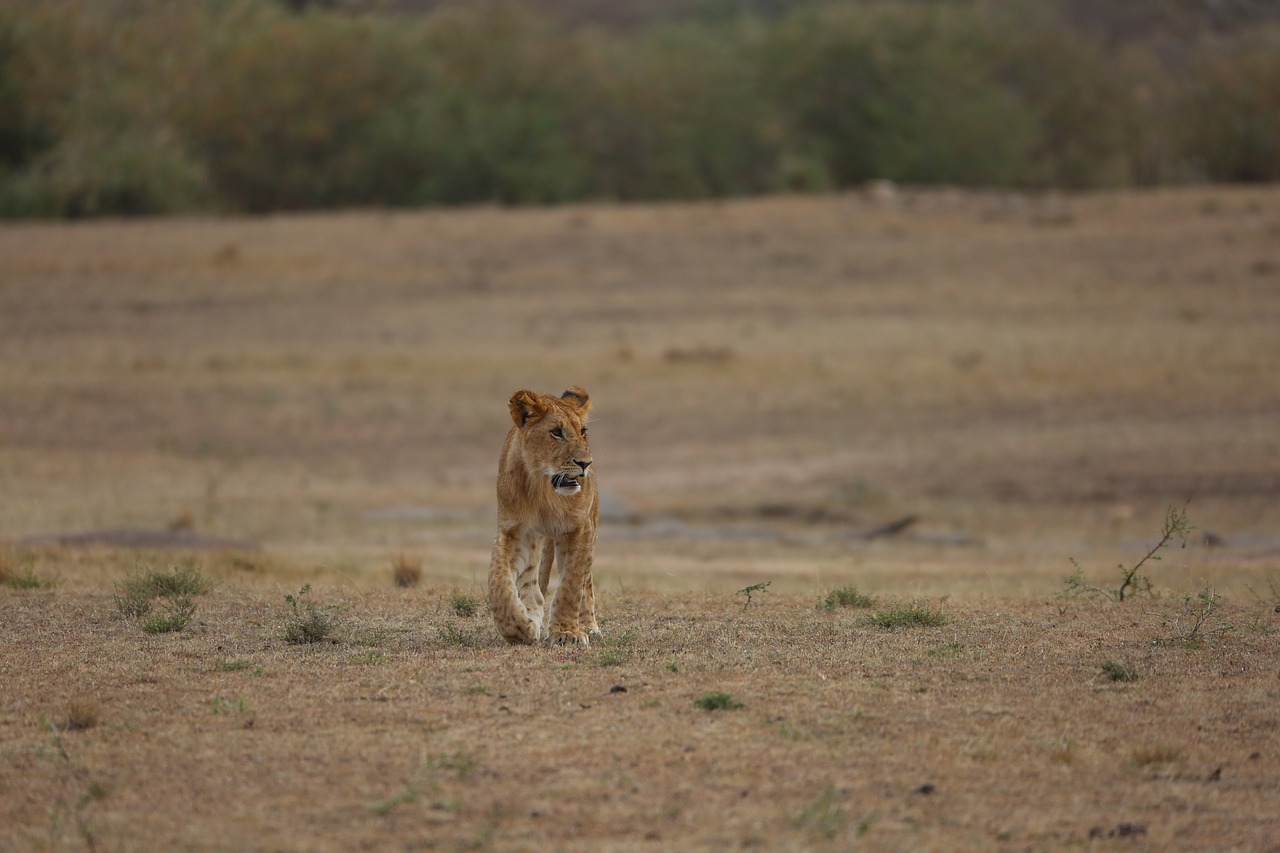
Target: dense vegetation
142	106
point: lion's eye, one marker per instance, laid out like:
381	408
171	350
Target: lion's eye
557	434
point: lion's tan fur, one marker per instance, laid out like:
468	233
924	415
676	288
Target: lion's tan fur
539	523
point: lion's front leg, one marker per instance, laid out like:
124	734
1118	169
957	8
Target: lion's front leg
567	622
511	559
587	611
529	582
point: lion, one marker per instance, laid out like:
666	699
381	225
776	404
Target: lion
547	509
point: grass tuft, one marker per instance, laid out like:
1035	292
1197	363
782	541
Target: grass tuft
452	635
906	616
1118	671
717	702
846	596
406	570
306	623
463	606
83	714
15	578
163	602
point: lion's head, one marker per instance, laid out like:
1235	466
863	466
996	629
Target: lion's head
553	436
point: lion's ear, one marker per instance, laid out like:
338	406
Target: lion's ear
578	398
525	406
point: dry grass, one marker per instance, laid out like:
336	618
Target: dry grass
844	732
406	570
779	385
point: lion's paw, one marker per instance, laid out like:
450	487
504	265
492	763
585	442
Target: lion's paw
563	637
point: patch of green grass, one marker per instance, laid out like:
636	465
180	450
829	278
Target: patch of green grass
615	651
239	666
223	706
846	596
162	602
906	616
463	606
168	623
1118	671
306	623
717	702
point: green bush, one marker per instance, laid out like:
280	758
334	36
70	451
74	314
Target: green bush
144	107
1228	124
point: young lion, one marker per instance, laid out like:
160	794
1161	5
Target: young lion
547	507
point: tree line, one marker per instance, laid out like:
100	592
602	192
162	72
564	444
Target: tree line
131	107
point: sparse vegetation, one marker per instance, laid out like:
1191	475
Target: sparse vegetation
161	602
1133	581
452	635
906	616
846	596
615	651
1115	671
761	587
23	579
463	606
306	623
717	702
1197	621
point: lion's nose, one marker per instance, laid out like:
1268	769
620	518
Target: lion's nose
584	464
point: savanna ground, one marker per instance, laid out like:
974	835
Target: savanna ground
1032	379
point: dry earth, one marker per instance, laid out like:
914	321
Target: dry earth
1032	379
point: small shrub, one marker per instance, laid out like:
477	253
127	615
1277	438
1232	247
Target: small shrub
761	587
717	702
1118	671
846	596
463	605
1133	580
138	596
306	624
906	616
1198	621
